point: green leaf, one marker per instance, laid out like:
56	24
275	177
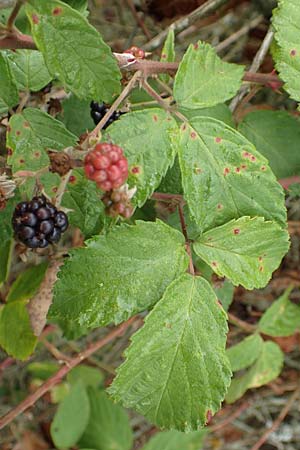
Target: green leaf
76	115
294	190
172	182
245	353
282	318
168	53
27	283
71	418
267	367
74	51
29	69
176	372
119	274
5	260
203	79
276	134
175	440
6	233
225	294
221	172
90	376
84	200
220	112
246	250
42	370
16	336
285	21
144	136
28	136
8	90
108	427
80	5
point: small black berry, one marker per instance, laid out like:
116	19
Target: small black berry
46	226
37	223
98	111
29	219
61	221
55	234
42	213
26	232
33	242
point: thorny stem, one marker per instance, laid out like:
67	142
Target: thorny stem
116	103
247	327
63	371
13	16
146	86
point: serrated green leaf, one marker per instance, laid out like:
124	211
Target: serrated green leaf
16	336
285	21
245	353
71	418
168	53
277	135
144	136
29	70
125	272
267	367
282	318
225	294
8	90
76	115
246	250
176	372
203	79
90	376
27	283
221	171
74	51
108	427
84	200
175	440
220	112
29	135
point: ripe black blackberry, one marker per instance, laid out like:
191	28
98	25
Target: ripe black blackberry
98	111
38	223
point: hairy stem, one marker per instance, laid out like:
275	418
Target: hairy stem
13	15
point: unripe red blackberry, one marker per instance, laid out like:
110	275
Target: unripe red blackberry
38	223
107	166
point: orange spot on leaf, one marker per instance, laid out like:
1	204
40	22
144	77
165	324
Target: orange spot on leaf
226	171
218	140
35	19
57	11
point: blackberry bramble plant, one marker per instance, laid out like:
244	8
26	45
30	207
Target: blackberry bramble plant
219	209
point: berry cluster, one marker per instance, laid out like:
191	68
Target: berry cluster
38	223
98	111
117	203
107	166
